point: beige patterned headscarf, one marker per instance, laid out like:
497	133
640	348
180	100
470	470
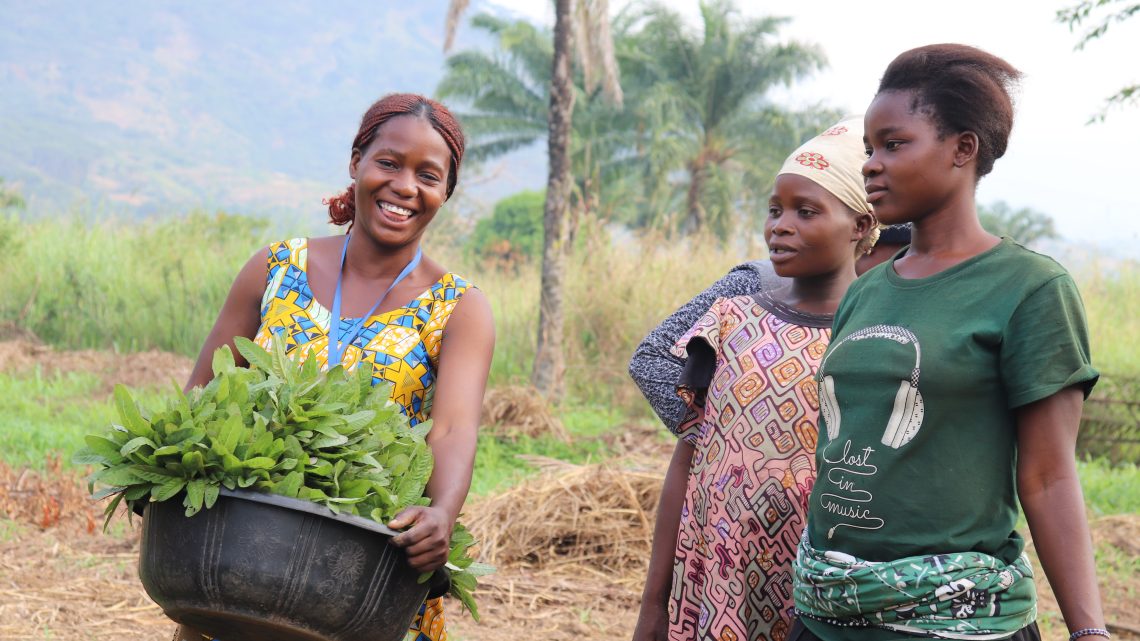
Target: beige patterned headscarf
834	160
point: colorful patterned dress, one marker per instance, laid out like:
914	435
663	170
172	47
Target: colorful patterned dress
400	346
753	425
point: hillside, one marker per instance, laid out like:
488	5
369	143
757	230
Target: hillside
148	108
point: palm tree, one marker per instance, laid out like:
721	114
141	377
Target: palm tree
703	99
589	21
686	153
505	98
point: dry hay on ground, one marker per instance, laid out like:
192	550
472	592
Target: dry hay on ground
591	521
643	441
60	577
55	586
571	546
515	411
141	369
48	499
519	603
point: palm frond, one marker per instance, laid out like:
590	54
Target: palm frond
595	47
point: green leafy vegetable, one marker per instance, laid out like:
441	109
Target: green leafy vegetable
329	437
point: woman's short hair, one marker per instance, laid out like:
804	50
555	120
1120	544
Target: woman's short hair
962	89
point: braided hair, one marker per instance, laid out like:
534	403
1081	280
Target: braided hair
342	208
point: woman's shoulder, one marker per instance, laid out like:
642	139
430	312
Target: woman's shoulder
453	281
775	306
446	290
284	249
447	285
1029	262
760	274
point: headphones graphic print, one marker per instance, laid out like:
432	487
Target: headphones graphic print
906	415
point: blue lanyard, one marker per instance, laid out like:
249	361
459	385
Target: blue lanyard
336	344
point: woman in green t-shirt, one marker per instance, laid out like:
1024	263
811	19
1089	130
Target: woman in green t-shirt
952	388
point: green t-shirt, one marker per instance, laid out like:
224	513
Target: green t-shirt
918	444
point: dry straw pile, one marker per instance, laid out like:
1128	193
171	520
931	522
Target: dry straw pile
575	520
515	411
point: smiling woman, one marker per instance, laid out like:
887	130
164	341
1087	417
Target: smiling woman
371	299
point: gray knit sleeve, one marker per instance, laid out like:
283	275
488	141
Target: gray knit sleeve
656	369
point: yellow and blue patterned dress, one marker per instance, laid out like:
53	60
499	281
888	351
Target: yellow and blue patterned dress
401	347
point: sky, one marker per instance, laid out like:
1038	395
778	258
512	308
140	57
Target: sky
1083	175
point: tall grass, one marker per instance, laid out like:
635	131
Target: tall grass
119	284
614	296
159	284
1112	301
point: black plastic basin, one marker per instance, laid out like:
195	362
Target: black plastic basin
261	567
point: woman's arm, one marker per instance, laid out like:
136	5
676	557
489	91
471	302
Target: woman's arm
1050	493
655	368
653	620
464	362
240	316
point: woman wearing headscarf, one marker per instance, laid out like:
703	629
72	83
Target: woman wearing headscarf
735	496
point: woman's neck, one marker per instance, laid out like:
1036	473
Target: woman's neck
817	294
943	239
371	260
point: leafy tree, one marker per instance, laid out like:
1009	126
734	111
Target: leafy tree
588	20
701	93
1082	12
513	231
1024	225
10	197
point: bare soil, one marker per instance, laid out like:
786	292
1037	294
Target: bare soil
25	353
62	578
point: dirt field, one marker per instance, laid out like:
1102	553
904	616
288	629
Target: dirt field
570	546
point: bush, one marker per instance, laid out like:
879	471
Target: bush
513	232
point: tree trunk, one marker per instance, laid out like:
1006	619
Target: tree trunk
549	360
696	222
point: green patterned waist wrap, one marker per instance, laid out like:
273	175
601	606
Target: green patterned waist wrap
964	595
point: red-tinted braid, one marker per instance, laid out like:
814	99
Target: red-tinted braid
342	208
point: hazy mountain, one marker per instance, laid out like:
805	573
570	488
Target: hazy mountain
154	107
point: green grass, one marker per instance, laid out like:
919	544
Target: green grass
1110	489
131	285
158	284
49	415
1112	304
498	464
119	284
